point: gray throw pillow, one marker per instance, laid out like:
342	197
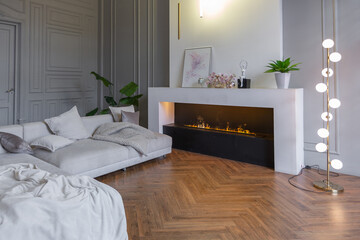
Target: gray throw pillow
116	111
130	117
14	144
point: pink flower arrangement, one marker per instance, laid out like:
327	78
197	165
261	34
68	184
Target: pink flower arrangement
220	80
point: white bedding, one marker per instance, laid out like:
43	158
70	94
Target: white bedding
35	204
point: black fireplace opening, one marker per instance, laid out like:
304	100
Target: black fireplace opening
238	133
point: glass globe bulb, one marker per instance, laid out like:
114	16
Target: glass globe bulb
335	57
323	133
325	72
321	147
334	103
336	164
325	117
328	43
321	87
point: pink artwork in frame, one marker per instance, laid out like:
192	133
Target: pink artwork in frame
196	66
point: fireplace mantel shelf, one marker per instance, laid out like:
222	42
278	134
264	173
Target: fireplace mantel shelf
286	103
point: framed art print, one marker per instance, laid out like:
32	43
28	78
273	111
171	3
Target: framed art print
196	66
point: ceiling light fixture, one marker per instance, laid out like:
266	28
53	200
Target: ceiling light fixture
201	8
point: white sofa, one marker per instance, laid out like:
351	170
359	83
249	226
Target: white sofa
84	157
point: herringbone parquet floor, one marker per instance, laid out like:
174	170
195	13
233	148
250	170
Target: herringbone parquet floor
193	196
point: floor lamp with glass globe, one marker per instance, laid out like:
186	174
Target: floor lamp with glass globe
324	133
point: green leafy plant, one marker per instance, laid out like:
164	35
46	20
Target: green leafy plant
128	90
282	66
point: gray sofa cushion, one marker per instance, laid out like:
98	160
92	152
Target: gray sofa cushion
116	111
130	117
11	158
84	155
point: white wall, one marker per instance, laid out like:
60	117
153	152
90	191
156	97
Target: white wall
245	29
306	24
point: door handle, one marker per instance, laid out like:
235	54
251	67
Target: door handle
11	91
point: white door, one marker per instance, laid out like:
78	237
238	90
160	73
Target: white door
7	74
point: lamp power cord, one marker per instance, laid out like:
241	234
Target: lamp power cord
317	167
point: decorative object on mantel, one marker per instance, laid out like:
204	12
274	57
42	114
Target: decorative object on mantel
196	66
128	90
220	80
202	82
282	71
324	133
243	82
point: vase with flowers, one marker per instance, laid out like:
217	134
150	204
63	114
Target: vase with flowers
220	80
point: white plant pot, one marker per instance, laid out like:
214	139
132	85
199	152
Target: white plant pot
282	80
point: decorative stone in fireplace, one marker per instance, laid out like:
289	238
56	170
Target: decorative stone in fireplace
252	106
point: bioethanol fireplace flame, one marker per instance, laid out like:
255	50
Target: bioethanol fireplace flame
238	133
230	119
202	124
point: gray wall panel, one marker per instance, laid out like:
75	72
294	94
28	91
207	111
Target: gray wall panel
57	50
139	46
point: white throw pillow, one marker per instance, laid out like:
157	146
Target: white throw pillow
116	112
68	125
51	142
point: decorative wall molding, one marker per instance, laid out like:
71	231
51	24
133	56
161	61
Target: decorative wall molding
151	59
66	104
36	48
90	52
89	103
88	4
51	108
113	34
14	5
137	43
59	41
4	113
63	18
64	52
36	110
63	83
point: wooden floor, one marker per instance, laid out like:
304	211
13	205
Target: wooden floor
193	196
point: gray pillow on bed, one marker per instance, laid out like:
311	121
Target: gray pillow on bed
14	144
130	117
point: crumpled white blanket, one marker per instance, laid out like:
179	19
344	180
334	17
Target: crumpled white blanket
37	205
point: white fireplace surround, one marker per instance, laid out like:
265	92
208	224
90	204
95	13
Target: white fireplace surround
287	105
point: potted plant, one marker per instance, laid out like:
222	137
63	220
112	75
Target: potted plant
282	71
129	90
